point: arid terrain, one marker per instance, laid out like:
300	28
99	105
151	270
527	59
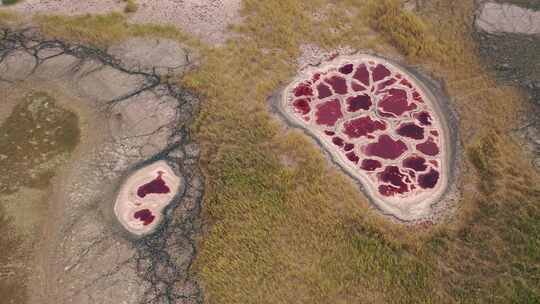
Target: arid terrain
182	151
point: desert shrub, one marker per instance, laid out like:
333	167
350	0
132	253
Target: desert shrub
131	6
9	2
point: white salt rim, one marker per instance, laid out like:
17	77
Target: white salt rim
125	207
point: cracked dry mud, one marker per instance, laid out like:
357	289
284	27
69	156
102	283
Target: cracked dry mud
129	116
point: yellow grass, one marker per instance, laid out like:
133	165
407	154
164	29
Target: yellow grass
104	30
284	227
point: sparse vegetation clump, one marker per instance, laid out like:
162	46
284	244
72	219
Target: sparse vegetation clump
131	6
403	29
9	2
105	30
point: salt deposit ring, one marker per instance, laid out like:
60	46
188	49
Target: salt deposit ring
380	124
143	197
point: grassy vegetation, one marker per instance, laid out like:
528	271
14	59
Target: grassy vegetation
10	2
403	29
104	30
131	6
286	228
6	17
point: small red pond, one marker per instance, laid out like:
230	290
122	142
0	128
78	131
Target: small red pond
376	118
145	216
156	186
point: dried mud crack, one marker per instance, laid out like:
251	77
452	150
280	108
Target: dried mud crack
137	117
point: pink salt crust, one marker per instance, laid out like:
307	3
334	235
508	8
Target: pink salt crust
381	124
143	197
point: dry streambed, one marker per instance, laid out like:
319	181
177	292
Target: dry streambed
117	115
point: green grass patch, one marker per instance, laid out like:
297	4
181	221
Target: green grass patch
10	2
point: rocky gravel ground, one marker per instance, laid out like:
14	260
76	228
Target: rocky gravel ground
136	117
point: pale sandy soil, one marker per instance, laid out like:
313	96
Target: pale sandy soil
206	19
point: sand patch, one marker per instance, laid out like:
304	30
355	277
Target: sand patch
508	18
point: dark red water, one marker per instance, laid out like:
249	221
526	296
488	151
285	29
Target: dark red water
302	105
339	84
388	190
352	157
357	87
303	89
385	147
324	90
145	216
330	133
395	102
416	96
383	85
411	130
429	147
362	126
157	186
434	133
370	164
428	180
358	102
338	141
379	72
346	69
316	77
406	83
328	113
362	74
392	175
348	147
416	163
434	163
424	118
